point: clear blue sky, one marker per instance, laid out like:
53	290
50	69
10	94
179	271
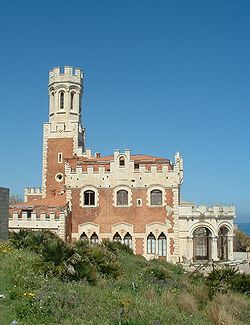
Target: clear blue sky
160	76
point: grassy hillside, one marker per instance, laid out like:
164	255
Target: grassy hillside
138	292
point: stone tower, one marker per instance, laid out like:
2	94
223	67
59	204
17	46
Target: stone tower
63	135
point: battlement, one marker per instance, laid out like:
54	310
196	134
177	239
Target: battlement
33	191
67	74
206	211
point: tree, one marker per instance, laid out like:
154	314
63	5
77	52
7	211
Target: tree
15	198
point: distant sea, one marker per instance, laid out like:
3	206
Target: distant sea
244	226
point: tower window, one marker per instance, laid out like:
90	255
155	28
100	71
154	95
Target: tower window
52	98
122	197
62	100
89	198
136	166
72	95
156	197
60	157
122	161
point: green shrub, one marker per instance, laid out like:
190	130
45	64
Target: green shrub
104	260
115	247
222	280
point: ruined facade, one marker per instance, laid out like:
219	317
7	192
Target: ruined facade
124	197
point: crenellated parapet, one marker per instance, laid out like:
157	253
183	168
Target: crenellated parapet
28	219
66	74
202	211
123	168
32	193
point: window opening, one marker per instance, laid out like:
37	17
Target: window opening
62	100
84	237
223	243
156	197
136	166
122	161
117	238
202	244
151	244
94	239
162	245
60	157
128	240
122	197
72	95
89	198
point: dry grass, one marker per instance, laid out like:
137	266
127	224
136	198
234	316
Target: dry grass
150	293
187	303
234	303
167	298
201	294
226	308
218	315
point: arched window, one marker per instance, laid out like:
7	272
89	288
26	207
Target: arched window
84	237
156	197
117	237
122	162
162	245
223	243
72	95
122	197
89	198
61	97
128	240
151	244
94	239
202	244
52	102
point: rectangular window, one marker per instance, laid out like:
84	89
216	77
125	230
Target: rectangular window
136	166
60	157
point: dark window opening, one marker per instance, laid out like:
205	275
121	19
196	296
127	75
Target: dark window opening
72	95
94	239
122	161
117	238
202	244
62	100
89	198
84	237
136	166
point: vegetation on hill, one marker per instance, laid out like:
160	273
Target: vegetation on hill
241	241
46	281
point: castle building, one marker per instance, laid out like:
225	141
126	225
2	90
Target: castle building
134	199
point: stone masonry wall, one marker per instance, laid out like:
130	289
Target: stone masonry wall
4	213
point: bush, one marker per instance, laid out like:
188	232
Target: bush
32	240
115	247
222	280
104	260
